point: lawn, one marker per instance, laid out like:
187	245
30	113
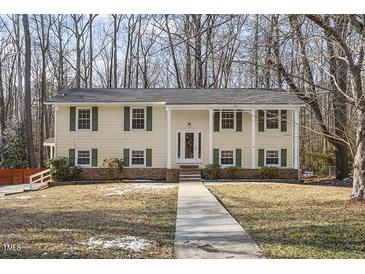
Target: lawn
298	221
116	220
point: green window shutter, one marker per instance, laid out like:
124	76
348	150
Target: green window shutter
238	157
72	118
148	157
71	156
216	121
284	117
126	156
94	118
239	121
149	119
261	159
283	157
94	157
261	120
215	156
126	118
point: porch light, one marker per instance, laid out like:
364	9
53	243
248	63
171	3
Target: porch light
189	125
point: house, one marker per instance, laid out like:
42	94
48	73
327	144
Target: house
159	131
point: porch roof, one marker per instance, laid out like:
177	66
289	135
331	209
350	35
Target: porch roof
49	142
175	96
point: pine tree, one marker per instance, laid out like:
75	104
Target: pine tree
14	148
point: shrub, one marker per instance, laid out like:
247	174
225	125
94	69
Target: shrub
211	172
61	170
322	161
269	172
232	172
111	164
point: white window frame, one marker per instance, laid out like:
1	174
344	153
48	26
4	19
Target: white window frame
130	158
234	157
279	157
131	118
77	118
279	120
77	157
221	119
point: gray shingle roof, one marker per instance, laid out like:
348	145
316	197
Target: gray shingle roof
174	96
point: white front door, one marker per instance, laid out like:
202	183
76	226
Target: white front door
189	146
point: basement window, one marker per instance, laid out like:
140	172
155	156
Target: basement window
272	157
83	158
137	157
227	158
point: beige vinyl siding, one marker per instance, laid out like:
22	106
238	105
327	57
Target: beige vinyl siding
229	139
275	139
111	139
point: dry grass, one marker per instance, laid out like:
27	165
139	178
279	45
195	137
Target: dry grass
298	221
54	223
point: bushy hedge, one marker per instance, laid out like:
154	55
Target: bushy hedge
112	164
61	170
231	172
269	172
211	172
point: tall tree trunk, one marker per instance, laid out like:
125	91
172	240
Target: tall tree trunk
198	51
27	94
172	49
91	18
358	190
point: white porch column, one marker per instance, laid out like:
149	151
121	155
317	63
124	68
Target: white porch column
51	152
253	138
296	139
168	165
210	142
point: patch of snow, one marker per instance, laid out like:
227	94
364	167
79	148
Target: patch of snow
24	197
129	242
122	189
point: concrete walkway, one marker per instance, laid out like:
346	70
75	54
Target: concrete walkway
205	230
12	189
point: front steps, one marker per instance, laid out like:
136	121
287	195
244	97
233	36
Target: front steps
190	176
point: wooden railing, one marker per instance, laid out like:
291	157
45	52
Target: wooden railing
42	178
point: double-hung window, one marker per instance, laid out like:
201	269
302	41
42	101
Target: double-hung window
138	157
138	118
83	158
227	119
227	158
83	118
272	157
272	119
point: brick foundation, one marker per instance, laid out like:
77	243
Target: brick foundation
96	174
170	175
247	173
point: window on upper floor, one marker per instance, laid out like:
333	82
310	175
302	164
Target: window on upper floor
227	157
272	119
83	118
227	119
138	118
272	157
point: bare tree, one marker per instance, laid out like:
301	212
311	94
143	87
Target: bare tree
27	94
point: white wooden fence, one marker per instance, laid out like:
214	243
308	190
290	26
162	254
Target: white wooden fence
41	179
